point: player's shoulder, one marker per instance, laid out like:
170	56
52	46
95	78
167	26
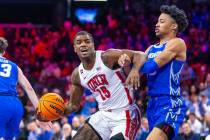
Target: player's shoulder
177	43
109	55
75	76
177	40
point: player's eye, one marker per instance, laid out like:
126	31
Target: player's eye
78	42
162	21
87	41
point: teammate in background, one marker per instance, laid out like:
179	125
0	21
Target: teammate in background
166	109
11	111
118	117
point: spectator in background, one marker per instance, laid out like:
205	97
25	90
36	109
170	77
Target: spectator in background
46	134
57	135
187	72
205	102
207	125
75	125
89	107
34	131
201	86
64	120
195	106
187	133
186	98
207	83
195	124
82	119
66	132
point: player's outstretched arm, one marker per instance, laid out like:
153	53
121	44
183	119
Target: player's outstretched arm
111	59
76	93
175	49
23	81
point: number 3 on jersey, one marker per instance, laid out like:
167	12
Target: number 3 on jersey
104	92
5	70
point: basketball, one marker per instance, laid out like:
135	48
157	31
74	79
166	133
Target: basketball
50	107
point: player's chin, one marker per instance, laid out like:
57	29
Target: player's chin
83	56
157	34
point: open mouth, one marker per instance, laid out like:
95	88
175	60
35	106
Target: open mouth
84	51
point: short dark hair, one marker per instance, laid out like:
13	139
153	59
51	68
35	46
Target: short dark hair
84	33
3	44
177	14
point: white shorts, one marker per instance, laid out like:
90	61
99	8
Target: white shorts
110	123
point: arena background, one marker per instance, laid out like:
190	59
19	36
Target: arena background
40	35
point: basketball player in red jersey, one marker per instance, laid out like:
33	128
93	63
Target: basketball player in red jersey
118	117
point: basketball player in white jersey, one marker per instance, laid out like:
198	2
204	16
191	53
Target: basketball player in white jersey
118	117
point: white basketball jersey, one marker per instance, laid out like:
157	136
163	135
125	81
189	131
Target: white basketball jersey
106	85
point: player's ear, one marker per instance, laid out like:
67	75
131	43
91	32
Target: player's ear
175	26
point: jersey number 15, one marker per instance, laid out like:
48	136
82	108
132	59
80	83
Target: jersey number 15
104	92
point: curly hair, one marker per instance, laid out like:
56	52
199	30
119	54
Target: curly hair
177	14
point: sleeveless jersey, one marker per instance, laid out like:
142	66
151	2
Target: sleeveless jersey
106	85
166	80
8	77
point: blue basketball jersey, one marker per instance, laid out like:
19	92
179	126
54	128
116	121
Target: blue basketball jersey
8	77
166	104
166	80
12	109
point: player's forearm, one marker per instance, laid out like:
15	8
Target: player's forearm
23	81
29	91
32	96
139	59
70	108
74	104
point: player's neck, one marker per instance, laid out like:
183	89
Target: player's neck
88	63
166	38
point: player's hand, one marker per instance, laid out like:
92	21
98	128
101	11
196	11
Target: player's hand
39	116
124	60
66	110
133	79
69	108
44	125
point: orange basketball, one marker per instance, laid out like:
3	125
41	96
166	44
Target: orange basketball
51	106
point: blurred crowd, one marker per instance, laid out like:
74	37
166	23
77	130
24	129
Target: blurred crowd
47	57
